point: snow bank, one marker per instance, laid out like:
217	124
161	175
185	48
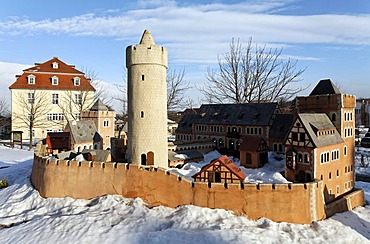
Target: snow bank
269	173
25	217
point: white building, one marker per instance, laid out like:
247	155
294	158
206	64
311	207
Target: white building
48	95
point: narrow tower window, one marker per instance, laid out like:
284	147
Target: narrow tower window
142	114
142	77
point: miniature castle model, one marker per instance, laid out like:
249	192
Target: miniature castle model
318	142
147	103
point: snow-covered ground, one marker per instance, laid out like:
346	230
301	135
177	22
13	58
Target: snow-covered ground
25	217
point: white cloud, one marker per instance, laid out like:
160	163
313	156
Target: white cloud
7	71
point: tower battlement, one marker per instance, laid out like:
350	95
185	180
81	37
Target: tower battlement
146	52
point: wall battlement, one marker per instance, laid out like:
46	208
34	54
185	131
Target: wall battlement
142	54
296	203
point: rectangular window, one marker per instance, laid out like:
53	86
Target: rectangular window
29	134
55	98
106	123
302	137
31	98
77	116
77	81
78	98
294	136
31	80
54	80
55	116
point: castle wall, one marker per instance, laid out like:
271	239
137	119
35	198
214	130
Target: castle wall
296	203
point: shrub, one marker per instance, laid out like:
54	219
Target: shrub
3	183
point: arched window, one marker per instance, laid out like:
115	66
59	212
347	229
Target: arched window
143	159
333	117
248	158
231	144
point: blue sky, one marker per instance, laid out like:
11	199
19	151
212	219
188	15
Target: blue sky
331	38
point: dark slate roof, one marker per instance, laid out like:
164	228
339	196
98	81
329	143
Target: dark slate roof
235	114
84	131
186	122
99	106
325	87
281	126
319	121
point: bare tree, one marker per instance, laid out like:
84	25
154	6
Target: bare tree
31	111
76	102
176	88
101	90
4	110
252	74
121	98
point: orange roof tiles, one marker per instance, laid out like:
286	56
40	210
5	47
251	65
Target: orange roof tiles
228	163
43	73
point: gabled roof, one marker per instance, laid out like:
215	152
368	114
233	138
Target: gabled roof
236	114
325	87
44	72
228	163
252	144
281	126
84	131
319	121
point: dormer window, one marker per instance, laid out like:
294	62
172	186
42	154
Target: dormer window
54	80
31	79
55	65
77	81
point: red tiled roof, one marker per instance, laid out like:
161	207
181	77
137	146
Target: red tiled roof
43	73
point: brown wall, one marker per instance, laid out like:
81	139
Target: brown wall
289	203
296	203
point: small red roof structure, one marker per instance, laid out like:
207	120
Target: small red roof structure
60	141
220	170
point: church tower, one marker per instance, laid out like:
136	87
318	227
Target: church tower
146	65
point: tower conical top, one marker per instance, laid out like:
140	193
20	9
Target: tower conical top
147	38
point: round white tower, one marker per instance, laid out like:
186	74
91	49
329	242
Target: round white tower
147	103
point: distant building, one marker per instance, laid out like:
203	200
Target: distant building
49	94
103	117
229	125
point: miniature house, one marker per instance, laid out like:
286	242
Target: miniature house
220	170
84	135
253	152
58	141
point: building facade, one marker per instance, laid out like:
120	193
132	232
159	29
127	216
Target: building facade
147	103
103	118
48	95
321	142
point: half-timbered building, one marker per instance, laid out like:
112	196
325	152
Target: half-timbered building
220	170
